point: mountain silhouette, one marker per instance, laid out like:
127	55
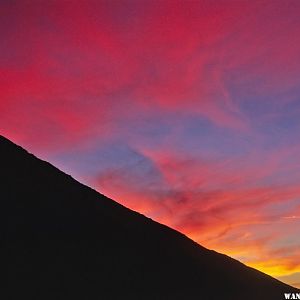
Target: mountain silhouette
63	240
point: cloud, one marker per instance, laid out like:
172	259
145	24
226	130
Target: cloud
187	112
68	63
236	210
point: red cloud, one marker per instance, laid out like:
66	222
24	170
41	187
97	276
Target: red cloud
67	62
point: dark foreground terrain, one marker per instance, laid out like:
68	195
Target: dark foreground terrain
63	240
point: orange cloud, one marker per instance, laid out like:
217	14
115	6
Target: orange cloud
234	213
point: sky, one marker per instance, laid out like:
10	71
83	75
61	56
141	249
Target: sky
186	111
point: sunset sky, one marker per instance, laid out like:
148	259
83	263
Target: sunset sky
186	111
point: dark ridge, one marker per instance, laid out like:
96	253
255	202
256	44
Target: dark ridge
63	240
